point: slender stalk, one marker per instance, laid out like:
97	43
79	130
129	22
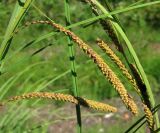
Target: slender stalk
133	54
73	67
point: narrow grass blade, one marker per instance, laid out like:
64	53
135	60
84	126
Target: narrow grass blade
17	15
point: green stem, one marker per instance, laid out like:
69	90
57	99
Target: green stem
133	54
73	67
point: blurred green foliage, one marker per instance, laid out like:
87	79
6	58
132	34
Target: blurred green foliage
49	70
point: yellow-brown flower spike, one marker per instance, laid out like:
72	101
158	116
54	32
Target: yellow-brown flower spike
149	116
118	62
68	98
96	105
105	69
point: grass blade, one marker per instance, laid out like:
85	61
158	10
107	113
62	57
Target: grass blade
18	13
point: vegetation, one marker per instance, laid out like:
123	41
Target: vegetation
53	51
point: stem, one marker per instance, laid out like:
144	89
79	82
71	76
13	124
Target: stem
73	67
133	54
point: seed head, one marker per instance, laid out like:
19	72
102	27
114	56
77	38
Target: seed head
68	98
118	62
149	116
